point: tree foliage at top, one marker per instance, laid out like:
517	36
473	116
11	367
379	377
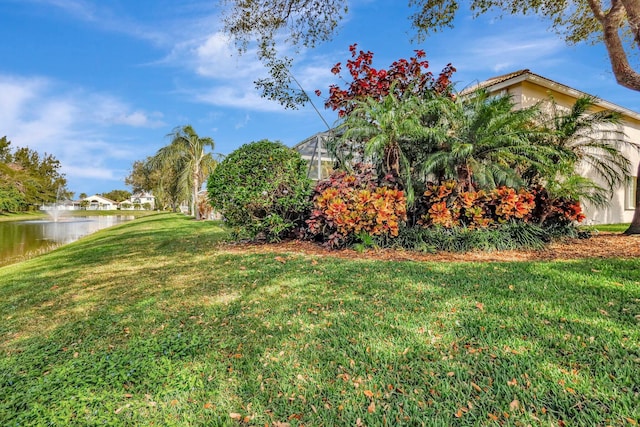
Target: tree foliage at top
614	22
305	23
301	23
27	178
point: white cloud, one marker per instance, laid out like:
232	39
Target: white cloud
216	57
77	8
508	52
15	92
485	46
139	119
236	97
71	125
91	172
231	75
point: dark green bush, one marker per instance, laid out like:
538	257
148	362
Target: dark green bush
261	190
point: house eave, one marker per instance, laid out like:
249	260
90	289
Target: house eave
559	88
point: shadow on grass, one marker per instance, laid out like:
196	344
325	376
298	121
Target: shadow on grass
151	322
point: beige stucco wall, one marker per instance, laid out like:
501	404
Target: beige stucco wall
617	212
527	93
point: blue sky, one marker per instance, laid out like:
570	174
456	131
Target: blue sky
100	83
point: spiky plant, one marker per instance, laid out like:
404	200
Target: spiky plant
382	127
487	141
586	140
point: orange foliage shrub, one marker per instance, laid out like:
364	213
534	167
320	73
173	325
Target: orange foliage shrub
444	207
348	204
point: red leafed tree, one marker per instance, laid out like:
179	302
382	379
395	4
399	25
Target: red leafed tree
403	77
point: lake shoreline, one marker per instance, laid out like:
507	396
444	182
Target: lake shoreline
33	234
36	215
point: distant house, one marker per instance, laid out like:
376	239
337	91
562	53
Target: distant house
525	89
139	201
99	203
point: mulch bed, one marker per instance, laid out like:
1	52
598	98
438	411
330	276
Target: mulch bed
602	245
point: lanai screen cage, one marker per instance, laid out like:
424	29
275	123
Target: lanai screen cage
314	151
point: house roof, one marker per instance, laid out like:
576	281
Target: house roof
100	199
504	81
143	194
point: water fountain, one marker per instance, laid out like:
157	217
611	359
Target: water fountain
55	210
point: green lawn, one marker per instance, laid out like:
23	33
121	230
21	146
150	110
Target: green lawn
152	322
612	228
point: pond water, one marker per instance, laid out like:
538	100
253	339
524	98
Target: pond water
22	238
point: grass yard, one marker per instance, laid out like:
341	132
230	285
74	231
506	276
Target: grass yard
153	322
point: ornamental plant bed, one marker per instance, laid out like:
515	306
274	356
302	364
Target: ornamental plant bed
601	245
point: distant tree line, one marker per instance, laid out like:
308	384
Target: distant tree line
28	179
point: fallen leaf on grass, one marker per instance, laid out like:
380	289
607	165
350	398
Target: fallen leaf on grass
372	408
117	411
476	387
208	405
480	306
512	382
235	416
631	421
368	393
280	259
514	405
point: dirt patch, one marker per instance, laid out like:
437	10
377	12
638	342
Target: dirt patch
602	245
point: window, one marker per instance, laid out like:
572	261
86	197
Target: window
630	193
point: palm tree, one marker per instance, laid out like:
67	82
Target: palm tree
187	149
486	142
585	140
384	127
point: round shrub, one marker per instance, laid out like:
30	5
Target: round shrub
262	190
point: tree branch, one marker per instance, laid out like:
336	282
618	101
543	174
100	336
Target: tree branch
611	23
